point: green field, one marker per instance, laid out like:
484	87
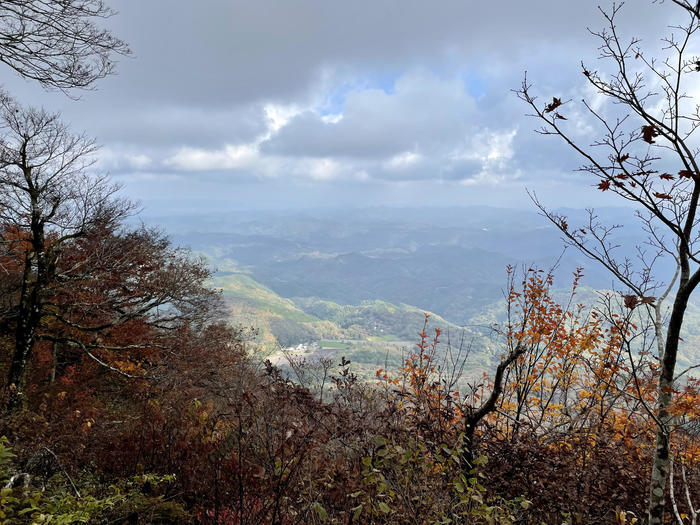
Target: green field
337	345
386	337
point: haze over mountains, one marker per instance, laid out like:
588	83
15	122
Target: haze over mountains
366	275
450	261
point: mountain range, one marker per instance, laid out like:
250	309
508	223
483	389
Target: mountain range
366	276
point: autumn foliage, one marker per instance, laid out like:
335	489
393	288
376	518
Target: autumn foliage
168	419
129	398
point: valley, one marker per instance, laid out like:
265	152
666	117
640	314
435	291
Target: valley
358	282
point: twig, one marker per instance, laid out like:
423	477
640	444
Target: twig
70	480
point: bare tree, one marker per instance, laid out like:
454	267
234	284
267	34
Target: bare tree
313	373
691	6
47	199
57	42
76	277
646	153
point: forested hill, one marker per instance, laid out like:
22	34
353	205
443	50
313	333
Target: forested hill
366	276
372	334
448	261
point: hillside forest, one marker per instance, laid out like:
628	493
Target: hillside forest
134	390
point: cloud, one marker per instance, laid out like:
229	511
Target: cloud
231	157
267	50
422	127
115	160
377	96
421	109
403	161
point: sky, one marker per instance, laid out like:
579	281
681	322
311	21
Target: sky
240	104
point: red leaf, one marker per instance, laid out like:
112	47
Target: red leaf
664	196
604	185
666	176
686	174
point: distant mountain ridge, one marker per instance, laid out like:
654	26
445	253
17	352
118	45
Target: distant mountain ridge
450	261
349	274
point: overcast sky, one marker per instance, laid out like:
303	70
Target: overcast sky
295	103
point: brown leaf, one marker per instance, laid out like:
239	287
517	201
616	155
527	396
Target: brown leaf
686	174
604	185
664	196
623	158
666	176
630	301
649	132
556	102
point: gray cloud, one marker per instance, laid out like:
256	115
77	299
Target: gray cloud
421	112
214	51
223	94
175	126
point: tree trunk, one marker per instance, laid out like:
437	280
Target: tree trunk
468	447
662	453
24	339
30	304
16	377
473	418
